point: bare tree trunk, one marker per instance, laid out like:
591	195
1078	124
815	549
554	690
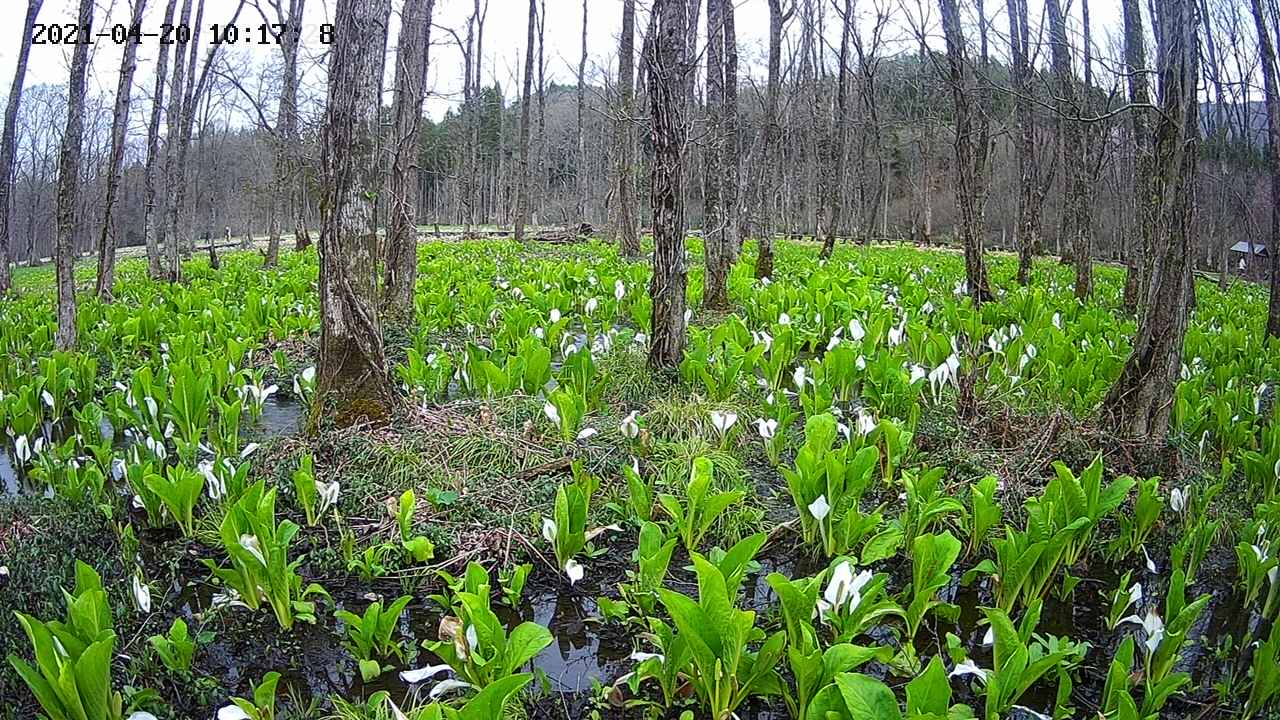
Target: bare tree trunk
151	216
411	84
352	382
1139	404
119	126
624	202
668	80
970	154
286	136
9	144
1029	201
772	142
68	184
172	172
833	169
1271	92
730	155
522	192
1135	56
538	185
581	169
714	218
1075	235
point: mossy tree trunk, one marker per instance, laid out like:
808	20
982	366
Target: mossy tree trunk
352	381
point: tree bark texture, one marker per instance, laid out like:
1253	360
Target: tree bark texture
9	144
832	173
971	155
119	126
624	202
1139	404
522	192
715	294
352	381
68	185
1135	54
406	116
667	69
772	143
1271	91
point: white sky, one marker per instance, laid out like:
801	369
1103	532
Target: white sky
504	38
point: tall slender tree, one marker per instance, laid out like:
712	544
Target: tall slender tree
832	174
715	241
522	192
971	148
1135	58
352	381
1138	405
580	152
151	215
406	117
69	182
173	131
1030	196
772	131
119	127
730	158
1271	92
287	164
667	68
9	143
1075	232
624	201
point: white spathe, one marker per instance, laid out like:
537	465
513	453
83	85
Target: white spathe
767	428
630	426
417	675
722	420
819	509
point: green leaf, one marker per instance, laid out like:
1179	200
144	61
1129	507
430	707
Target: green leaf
867	698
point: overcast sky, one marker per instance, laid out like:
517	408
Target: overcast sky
504	38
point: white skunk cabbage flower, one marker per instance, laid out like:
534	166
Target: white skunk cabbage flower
232	712
799	378
417	675
866	422
555	315
328	492
819	508
723	420
968	667
447	686
586	434
943	375
574	571
591	306
253	547
619	290
630	426
1178	500
141	594
549	530
844	589
767	428
551	412
1152	628
856	331
784	319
